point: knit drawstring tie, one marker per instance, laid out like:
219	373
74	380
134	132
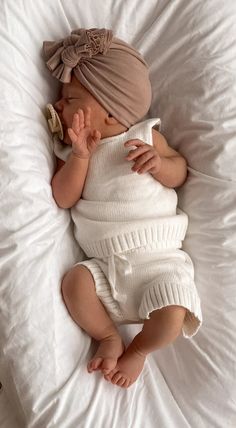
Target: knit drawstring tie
118	263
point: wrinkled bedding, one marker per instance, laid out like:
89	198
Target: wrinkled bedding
191	49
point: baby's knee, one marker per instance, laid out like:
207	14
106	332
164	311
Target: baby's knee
75	279
170	319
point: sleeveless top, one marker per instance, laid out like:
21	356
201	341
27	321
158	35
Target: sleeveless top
121	210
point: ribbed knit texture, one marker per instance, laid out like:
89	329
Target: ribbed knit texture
103	290
120	209
173	291
166	279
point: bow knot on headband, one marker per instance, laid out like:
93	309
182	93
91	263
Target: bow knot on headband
63	56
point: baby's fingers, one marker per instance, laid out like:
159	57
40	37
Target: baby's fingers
87	117
78	121
96	136
135	142
73	136
148	166
142	160
94	139
135	153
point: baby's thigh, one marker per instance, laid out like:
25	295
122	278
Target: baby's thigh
76	281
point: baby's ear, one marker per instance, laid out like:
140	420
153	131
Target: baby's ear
110	120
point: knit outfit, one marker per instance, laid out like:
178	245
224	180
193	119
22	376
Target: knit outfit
131	230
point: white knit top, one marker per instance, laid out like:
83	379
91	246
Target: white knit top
119	209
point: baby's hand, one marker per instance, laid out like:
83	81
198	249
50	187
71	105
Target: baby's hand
145	157
84	140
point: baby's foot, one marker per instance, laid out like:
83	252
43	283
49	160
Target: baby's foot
108	352
128	368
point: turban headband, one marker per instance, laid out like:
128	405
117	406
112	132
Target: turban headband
110	69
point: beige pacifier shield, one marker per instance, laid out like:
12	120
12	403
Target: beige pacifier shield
54	122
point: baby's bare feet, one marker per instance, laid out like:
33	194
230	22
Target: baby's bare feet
128	368
108	352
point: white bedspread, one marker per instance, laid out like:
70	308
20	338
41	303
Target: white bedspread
191	48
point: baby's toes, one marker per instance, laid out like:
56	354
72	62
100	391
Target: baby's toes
94	364
115	379
110	375
122	381
126	384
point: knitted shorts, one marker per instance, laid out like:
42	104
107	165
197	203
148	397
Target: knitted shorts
133	284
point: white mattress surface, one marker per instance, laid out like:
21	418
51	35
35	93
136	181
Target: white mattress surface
191	49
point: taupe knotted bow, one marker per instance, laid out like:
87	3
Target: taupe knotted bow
63	56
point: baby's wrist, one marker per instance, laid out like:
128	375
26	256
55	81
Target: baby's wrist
79	156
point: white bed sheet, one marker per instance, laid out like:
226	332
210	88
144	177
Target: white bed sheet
7	417
191	48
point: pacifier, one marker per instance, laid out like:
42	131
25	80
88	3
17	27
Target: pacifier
54	122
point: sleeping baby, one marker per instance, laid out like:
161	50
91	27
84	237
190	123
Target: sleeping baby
117	173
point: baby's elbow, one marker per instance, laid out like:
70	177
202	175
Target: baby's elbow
63	200
62	204
59	197
59	201
184	172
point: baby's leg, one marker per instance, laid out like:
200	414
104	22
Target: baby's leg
163	327
87	311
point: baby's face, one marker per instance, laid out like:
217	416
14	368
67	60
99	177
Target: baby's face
73	97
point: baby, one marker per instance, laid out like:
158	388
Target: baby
118	174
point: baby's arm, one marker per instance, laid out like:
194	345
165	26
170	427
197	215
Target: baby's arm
69	179
164	163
